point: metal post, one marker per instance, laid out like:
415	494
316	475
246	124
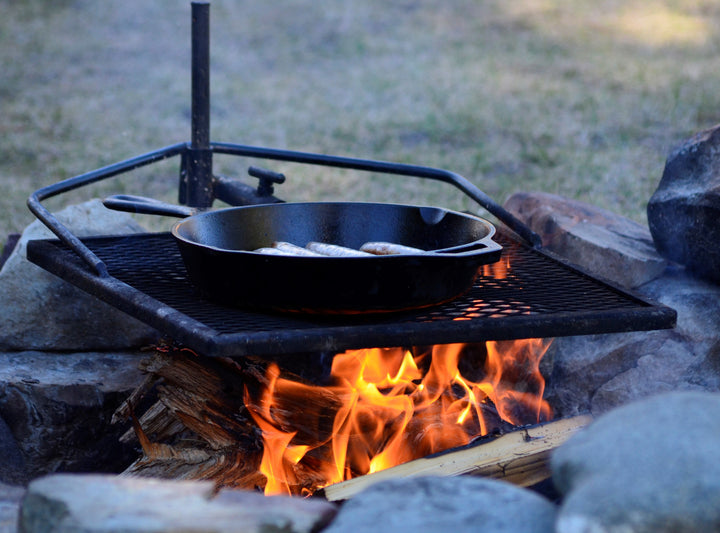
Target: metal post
196	178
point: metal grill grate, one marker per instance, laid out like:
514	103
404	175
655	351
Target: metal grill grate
537	296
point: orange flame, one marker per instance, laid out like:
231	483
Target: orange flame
389	406
498	269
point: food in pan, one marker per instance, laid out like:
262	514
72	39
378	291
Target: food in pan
292	249
389	248
321	249
272	251
333	250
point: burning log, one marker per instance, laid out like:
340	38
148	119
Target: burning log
520	457
249	423
200	424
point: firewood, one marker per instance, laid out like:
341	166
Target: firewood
519	457
213	422
200	424
228	469
124	412
156	422
204	425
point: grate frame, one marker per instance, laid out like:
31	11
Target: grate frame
541	296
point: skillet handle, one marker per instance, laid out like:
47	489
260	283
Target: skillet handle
486	245
147	206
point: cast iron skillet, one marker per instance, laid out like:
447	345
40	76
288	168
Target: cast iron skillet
217	249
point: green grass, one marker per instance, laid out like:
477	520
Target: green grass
580	98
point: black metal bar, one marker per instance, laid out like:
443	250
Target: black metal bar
542	297
196	182
63	233
442	175
235	192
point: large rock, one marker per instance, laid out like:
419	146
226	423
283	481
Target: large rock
649	466
10	497
93	503
600	372
442	504
12	466
41	312
602	243
58	408
684	212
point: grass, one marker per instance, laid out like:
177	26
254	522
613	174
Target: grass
580	98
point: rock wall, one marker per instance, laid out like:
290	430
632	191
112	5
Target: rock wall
595	373
640	385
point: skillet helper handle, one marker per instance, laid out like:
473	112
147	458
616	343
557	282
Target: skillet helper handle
147	206
266	180
486	244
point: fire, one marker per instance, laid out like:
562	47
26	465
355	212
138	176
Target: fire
498	269
385	407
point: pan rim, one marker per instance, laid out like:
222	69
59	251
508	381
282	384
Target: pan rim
485	239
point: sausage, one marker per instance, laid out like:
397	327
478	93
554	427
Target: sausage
293	249
389	248
333	250
271	251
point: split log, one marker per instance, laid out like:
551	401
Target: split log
520	457
200	427
204	395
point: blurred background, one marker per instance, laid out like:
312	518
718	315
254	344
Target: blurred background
583	98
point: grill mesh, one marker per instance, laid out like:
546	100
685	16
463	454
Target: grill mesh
538	296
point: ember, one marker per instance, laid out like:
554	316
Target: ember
385	407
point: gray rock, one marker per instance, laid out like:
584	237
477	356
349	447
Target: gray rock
600	242
41	312
10	496
12	464
94	503
697	303
442	504
599	372
7	247
649	466
58	407
684	211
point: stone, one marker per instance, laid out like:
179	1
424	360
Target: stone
101	503
280	513
8	247
58	408
684	212
602	243
39	311
10	497
12	465
648	466
442	504
596	373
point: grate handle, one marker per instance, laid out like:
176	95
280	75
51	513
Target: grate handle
34	202
386	167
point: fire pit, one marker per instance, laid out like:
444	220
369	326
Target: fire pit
527	294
